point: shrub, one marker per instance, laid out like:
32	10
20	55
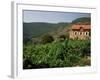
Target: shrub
56	54
62	37
47	38
86	49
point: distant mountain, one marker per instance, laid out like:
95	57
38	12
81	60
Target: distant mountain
83	20
36	29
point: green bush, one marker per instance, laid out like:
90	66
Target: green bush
47	38
62	37
56	54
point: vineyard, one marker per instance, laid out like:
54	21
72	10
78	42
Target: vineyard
66	53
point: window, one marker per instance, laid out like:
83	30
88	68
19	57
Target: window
75	33
80	33
87	33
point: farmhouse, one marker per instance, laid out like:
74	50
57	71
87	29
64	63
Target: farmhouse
80	31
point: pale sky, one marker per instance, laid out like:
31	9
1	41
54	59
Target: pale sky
51	17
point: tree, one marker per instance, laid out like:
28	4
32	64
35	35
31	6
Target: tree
62	37
47	39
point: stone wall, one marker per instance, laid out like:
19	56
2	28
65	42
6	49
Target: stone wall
79	35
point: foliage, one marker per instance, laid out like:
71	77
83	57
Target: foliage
56	54
47	38
63	37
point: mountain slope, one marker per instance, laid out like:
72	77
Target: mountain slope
39	28
82	20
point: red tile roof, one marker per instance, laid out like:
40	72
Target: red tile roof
79	26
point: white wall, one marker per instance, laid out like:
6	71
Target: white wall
5	39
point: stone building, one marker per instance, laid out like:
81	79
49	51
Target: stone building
80	31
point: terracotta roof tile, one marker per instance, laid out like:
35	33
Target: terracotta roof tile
75	26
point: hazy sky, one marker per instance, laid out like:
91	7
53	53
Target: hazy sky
51	17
